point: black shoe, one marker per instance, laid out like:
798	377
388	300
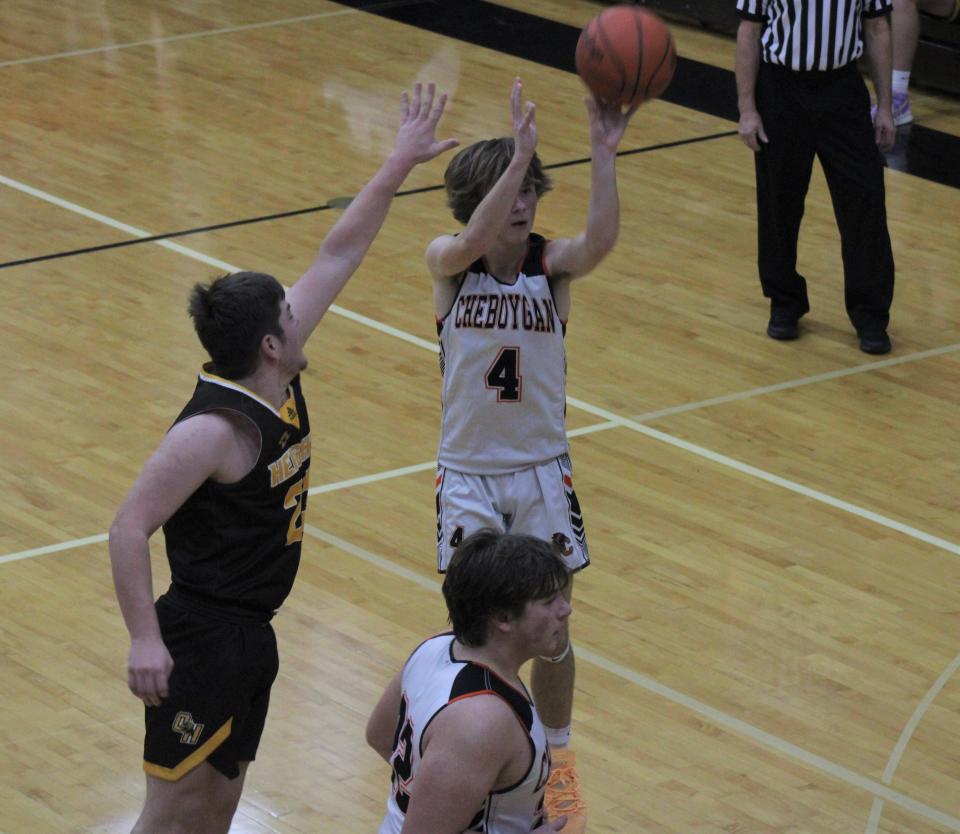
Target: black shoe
782	326
876	341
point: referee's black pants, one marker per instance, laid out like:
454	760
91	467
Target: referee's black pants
827	115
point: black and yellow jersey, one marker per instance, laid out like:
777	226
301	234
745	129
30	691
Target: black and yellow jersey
236	547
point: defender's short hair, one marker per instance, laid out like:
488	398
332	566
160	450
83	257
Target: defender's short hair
232	315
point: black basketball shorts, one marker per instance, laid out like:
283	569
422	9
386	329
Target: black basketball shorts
219	694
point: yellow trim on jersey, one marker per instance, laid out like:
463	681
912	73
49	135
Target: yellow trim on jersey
198	756
288	411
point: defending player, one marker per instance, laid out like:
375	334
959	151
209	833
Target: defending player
228	483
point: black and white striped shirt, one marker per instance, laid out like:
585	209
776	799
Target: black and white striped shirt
811	34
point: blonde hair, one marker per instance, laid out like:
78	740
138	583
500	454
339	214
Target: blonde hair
475	170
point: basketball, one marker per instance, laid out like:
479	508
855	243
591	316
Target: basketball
625	55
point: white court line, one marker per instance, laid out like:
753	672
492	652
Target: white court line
715	716
228	30
894	761
52	548
615	422
369	479
877	789
770	478
199	256
609	416
428	466
333	486
796	383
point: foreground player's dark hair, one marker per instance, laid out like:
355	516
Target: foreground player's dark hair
498	573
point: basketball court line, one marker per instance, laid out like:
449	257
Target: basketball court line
204	33
612	423
880	792
798	383
608	416
770	478
333	486
651	685
894	761
53	548
141	237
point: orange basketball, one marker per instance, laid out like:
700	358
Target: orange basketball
626	55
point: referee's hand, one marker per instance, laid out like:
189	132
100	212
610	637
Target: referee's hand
751	130
883	128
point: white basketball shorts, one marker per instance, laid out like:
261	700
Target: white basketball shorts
537	501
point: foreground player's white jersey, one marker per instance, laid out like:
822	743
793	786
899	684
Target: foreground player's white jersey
431	680
504	371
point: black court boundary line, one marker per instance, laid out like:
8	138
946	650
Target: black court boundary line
921	151
695	85
337	202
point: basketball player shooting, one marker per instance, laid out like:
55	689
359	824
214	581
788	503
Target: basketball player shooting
502	300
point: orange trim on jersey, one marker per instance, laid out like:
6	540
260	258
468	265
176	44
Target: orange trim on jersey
513	712
197	757
543	266
568	480
476	692
521	692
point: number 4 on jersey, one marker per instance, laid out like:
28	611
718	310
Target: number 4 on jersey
504	375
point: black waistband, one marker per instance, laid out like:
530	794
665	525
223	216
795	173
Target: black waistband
813	74
213	608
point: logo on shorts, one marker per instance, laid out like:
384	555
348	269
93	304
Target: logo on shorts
189	729
563	544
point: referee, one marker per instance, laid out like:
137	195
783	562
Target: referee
800	95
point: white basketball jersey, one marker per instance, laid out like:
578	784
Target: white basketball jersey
504	371
431	679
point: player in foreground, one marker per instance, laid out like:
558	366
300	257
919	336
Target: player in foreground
456	724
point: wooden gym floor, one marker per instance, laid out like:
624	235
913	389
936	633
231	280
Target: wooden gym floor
768	635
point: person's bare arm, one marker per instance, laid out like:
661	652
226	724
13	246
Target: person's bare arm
468	745
382	724
348	241
879	51
449	255
205	446
570	258
746	67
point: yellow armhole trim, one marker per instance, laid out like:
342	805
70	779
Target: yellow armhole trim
198	756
